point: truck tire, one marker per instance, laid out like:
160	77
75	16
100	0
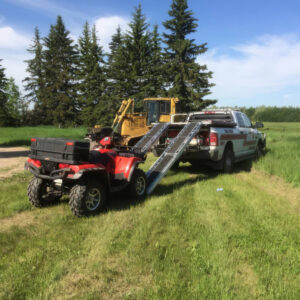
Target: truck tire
138	184
87	198
39	193
228	160
258	150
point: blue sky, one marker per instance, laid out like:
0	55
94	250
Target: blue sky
254	46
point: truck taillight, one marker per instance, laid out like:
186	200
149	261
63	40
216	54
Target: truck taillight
33	140
213	139
69	143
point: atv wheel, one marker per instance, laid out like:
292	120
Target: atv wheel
228	160
40	193
138	184
87	199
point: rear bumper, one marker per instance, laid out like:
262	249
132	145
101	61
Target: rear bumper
56	174
194	153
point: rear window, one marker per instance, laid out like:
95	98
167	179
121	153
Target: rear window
210	116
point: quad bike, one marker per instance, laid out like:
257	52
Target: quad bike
69	167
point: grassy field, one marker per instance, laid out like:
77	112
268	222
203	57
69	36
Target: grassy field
10	136
186	241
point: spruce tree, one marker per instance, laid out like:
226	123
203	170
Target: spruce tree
138	51
59	64
3	98
187	80
34	82
91	78
118	71
155	78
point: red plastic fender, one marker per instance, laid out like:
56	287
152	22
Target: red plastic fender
126	165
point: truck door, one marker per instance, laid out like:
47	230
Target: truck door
251	138
241	135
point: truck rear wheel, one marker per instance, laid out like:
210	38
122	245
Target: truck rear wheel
138	184
40	193
87	198
228	160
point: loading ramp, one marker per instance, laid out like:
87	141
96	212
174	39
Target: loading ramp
171	155
146	142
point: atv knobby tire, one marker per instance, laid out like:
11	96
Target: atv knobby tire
38	193
138	184
87	198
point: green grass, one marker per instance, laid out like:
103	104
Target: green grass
283	151
11	136
186	241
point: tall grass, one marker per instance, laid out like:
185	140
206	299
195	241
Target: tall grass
186	241
11	136
283	151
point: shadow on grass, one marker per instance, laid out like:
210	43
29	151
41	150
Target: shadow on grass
12	154
123	201
16	143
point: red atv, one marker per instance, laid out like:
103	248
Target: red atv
69	167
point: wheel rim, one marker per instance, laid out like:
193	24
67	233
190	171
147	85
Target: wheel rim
93	199
140	185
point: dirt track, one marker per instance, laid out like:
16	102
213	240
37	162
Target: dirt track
12	160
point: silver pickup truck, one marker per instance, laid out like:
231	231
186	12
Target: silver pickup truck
226	136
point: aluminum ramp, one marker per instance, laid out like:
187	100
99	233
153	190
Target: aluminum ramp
145	143
171	154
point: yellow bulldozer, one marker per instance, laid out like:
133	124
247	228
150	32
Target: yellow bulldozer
131	125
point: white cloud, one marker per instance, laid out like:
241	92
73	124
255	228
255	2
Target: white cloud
107	26
10	39
270	64
13	52
15	66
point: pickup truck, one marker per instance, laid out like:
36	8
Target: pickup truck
226	136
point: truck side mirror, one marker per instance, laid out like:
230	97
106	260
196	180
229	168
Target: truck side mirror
259	125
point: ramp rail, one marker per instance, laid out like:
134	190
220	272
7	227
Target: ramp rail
171	154
146	142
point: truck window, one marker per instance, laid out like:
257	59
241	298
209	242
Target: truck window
240	119
165	107
247	121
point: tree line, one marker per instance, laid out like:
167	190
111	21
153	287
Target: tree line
78	84
273	113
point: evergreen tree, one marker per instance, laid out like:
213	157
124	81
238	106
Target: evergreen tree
91	78
138	51
187	80
117	71
59	64
3	98
155	86
34	83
